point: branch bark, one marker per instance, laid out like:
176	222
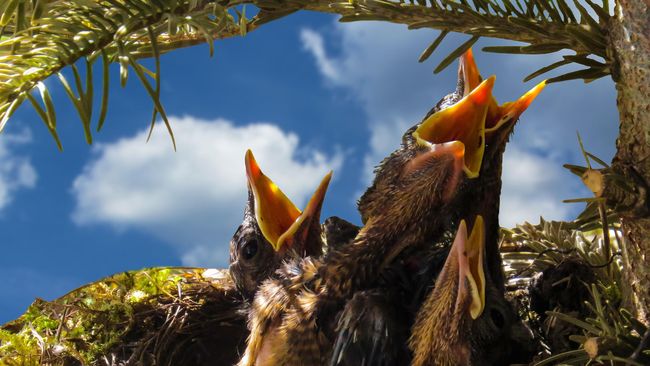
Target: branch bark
630	47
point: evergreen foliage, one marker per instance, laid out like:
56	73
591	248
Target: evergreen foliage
40	38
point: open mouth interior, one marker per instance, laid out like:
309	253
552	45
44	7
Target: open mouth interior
274	212
466	255
277	217
462	123
474	248
510	111
497	115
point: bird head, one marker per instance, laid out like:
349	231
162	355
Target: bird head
272	229
500	119
482	195
435	157
467	320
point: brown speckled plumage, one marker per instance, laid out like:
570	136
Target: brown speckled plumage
252	255
419	195
401	209
445	333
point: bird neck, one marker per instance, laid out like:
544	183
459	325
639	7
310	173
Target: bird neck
355	266
441	327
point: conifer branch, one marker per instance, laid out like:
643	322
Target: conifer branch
547	26
40	38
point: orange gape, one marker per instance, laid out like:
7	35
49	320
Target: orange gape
278	218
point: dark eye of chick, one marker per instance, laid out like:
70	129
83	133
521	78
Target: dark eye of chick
497	318
249	250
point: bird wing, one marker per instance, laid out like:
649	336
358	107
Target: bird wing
370	331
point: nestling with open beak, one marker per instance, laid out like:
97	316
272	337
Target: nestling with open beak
273	230
357	336
484	192
465	320
420	193
292	317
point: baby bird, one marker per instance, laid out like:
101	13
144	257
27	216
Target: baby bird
273	230
292	317
465	320
413	198
359	333
485	192
421	192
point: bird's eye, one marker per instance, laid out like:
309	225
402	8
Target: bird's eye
249	250
497	318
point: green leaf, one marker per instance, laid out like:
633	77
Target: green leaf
582	149
587	74
432	47
569	319
49	105
601	11
361	17
598	160
592	40
8	12
10	110
548	6
512	10
438	24
124	63
529	24
546	69
575	169
208	37
567	12
37	12
156	76
44	117
587	199
531	50
89	92
105	90
243	22
585	17
585	61
152	94
456	54
76	101
82	102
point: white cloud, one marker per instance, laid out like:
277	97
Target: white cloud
192	198
376	63
16	171
313	42
533	186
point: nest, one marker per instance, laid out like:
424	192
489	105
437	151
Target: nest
163	316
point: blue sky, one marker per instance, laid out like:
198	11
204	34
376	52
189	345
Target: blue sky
307	94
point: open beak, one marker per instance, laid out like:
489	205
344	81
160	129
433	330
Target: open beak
278	218
308	220
468	70
468	254
460	128
497	115
510	111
